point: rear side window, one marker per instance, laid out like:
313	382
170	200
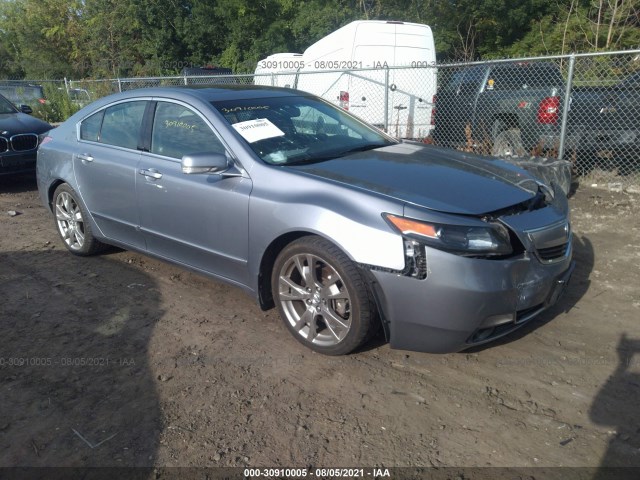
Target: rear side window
118	125
90	127
527	75
122	123
466	80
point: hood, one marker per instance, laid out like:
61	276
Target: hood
15	123
434	178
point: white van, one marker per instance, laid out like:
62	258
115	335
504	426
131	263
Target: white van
406	94
274	70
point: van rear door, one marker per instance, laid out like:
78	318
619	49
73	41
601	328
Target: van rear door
367	88
411	89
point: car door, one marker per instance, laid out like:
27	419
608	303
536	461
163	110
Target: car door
199	220
105	165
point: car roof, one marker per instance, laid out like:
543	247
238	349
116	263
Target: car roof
217	93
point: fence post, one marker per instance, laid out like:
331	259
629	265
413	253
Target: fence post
566	104
186	81
386	100
273	79
119	85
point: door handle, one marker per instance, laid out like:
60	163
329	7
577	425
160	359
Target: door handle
151	173
85	157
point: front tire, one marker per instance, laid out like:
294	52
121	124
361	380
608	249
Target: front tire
71	222
322	297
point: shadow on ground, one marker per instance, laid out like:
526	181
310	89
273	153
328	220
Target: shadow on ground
616	406
75	385
25	182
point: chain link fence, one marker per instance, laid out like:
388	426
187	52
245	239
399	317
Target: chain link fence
581	108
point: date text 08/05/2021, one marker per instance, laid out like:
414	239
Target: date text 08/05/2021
337	64
316	472
17	361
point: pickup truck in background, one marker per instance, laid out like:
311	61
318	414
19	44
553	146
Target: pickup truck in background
604	125
501	109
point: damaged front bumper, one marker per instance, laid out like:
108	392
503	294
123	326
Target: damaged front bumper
465	302
462	301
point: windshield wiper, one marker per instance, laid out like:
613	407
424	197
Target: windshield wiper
307	161
363	148
322	158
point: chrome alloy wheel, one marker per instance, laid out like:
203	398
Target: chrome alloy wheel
315	299
70	221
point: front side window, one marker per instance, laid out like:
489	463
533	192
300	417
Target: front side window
294	130
179	131
122	123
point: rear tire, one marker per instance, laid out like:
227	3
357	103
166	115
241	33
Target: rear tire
508	144
321	296
496	129
71	221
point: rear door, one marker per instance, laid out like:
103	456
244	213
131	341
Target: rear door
105	165
412	88
366	89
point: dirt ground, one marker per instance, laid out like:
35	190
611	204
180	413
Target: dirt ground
122	360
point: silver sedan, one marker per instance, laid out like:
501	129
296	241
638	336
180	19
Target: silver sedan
342	228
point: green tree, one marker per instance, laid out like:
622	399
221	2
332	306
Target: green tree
583	26
110	38
42	38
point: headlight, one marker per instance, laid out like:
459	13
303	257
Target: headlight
490	240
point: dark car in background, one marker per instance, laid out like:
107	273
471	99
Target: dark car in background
20	93
19	138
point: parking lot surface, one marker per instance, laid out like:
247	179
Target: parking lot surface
123	360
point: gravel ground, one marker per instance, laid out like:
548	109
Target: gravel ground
122	360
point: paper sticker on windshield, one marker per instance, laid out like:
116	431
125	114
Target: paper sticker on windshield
258	129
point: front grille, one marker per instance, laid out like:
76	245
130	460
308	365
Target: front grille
24	142
553	253
4	145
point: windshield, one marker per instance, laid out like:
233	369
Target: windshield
296	130
6	106
22	93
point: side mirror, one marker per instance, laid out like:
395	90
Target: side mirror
26	109
204	163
